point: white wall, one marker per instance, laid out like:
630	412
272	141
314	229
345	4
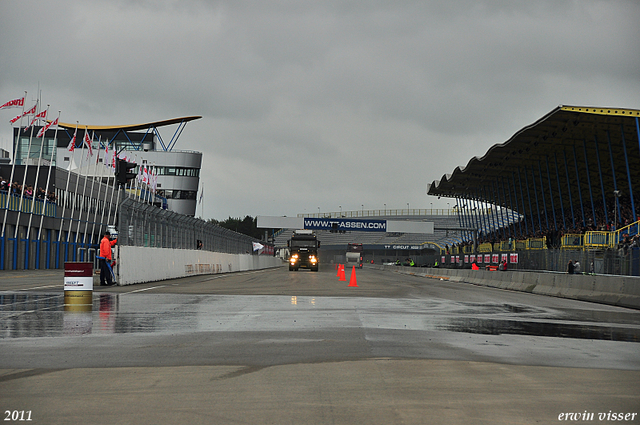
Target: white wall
140	264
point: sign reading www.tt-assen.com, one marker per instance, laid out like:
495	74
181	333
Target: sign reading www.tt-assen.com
345	224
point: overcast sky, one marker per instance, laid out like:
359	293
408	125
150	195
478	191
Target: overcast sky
311	105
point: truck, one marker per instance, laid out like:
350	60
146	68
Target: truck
303	249
354	255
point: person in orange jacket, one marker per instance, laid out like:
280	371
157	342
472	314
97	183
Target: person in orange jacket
105	255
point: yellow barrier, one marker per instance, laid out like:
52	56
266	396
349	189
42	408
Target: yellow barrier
537	243
572	241
598	239
521	245
507	246
485	247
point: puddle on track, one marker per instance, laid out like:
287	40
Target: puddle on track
24	315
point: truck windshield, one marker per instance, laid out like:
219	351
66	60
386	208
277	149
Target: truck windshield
296	243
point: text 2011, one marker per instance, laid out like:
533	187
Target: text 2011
17	415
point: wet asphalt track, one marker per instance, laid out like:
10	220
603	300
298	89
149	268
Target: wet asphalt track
245	325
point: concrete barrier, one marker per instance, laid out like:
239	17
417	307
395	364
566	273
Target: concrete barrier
141	264
622	291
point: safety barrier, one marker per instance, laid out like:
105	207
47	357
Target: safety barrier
140	264
27	203
598	239
606	289
485	247
506	245
537	243
572	241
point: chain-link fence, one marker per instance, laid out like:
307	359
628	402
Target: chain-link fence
141	224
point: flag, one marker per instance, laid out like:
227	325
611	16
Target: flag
145	176
46	127
153	180
42	115
72	143
107	158
27	112
87	141
201	195
98	156
15	103
257	246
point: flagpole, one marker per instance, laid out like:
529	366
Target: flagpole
66	189
115	153
46	189
13	167
75	193
35	191
84	189
24	177
104	207
93	183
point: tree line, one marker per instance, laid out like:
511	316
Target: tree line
247	226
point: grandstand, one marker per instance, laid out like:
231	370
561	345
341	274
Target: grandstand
571	178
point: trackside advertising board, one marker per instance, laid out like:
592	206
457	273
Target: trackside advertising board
345	224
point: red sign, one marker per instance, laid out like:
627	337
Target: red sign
78	269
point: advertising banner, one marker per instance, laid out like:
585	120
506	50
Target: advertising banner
345	224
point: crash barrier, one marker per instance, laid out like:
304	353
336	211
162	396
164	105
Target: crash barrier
622	291
143	264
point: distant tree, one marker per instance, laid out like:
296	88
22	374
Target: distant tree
247	226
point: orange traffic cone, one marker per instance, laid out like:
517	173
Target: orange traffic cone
352	280
338	267
343	278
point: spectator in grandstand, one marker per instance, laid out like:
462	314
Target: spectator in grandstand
40	193
4	186
51	198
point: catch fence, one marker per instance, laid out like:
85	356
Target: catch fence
146	225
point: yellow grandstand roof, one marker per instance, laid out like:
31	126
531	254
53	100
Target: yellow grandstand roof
579	144
131	127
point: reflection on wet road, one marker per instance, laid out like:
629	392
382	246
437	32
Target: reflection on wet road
34	315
